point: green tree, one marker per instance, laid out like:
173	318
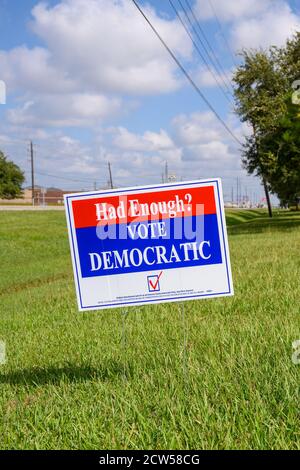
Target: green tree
259	103
282	156
262	93
11	178
288	60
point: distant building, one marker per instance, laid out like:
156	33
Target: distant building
24	200
42	196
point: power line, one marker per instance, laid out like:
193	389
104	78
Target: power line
64	178
196	46
221	31
45	154
157	175
92	182
219	75
219	66
187	75
4	141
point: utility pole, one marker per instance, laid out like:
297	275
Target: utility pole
237	191
110	176
95	185
32	172
166	173
232	195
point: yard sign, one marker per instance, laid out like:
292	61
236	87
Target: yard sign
149	244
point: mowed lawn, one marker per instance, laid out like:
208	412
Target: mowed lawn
99	380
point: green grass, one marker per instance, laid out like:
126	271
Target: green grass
70	381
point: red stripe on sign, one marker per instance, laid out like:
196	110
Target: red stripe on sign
143	206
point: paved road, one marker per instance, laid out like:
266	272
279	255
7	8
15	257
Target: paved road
31	208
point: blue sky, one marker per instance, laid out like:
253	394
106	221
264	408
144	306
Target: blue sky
89	83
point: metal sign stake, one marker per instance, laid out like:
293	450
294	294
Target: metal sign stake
124	313
184	345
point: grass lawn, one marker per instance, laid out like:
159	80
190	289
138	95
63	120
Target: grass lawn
70	380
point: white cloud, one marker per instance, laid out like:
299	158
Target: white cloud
66	110
271	28
205	144
94	52
96	45
213	154
30	70
108	46
206	79
142	156
252	23
148	142
230	10
197	128
195	147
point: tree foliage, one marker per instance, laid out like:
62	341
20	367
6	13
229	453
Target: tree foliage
282	156
264	100
11	178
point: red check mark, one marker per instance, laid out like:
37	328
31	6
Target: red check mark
154	286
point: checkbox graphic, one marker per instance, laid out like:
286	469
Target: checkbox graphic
153	283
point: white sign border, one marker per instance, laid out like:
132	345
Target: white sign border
74	248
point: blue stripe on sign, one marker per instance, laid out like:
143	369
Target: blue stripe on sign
109	256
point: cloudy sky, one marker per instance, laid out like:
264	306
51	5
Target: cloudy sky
89	83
